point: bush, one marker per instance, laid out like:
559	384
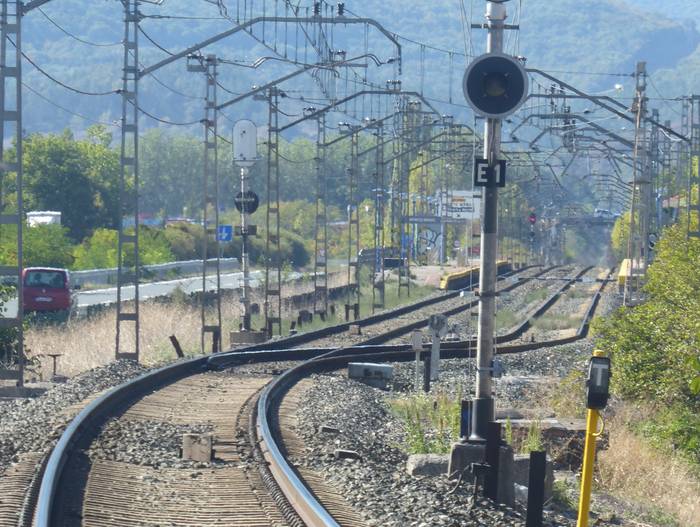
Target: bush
655	344
44	246
99	251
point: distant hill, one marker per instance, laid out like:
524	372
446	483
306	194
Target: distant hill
596	36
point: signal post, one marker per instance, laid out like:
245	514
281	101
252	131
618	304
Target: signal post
245	154
495	86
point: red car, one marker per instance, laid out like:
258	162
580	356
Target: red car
46	289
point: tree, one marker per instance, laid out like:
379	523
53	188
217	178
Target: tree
99	251
77	178
655	346
620	236
44	246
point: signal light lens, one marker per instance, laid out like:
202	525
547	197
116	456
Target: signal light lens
495	84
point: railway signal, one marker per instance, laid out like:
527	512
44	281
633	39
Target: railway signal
532	218
598	392
245	154
495	85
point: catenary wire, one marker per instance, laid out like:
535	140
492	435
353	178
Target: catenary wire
75	37
54	79
53	103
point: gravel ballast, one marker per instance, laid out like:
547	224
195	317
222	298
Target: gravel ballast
378	484
34	425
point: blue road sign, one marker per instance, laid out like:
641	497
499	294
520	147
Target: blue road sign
225	233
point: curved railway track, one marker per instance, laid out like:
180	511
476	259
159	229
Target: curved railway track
251	482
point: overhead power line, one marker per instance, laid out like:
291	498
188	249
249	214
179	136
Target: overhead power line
60	83
166	121
75	37
71	112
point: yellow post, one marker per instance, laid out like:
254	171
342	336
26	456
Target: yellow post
584	502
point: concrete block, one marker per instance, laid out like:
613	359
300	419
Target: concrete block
464	454
328	429
521	473
520	493
508	413
346	454
197	447
419	465
563	438
377	375
238	338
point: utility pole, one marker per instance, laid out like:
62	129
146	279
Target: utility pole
210	198
321	225
128	260
273	254
352	303
378	288
693	202
11	111
636	242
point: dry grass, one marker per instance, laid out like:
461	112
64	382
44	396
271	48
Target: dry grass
635	471
89	343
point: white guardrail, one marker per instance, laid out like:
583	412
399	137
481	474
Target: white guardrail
154	272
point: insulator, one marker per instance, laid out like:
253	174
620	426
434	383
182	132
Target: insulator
341	8
317	8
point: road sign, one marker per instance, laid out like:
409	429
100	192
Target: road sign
225	233
250	230
459	204
485	176
245	147
247	202
495	85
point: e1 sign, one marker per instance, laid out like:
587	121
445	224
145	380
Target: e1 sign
486	176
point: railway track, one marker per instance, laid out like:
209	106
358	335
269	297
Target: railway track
97	476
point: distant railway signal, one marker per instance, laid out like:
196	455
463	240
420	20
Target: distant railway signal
495	85
245	147
247	202
653	238
532	218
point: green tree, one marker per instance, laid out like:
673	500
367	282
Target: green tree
656	345
77	178
48	245
620	235
44	246
99	251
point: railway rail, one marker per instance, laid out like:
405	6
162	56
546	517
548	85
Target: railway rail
250	431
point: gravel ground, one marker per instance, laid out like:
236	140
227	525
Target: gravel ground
34	425
150	443
378	484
